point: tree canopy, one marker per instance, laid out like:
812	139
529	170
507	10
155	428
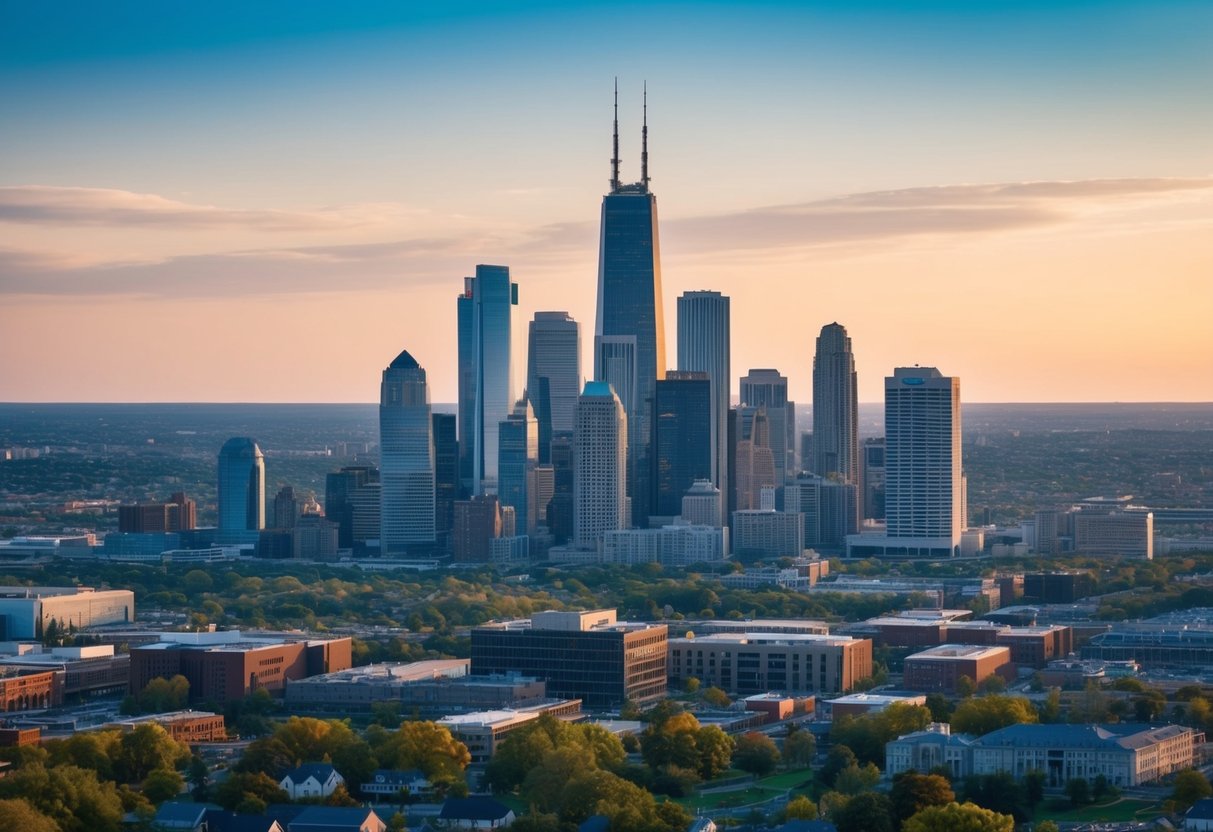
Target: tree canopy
958	817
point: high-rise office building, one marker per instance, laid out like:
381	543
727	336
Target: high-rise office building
554	353
703	346
560	507
486	370
406	457
702	505
446	472
682	448
178	513
872	454
600	453
768	389
241	486
478	522
835	406
518	449
287	508
629	339
755	459
339	489
924	474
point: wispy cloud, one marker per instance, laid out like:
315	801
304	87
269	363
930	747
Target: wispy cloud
48	205
883	217
951	209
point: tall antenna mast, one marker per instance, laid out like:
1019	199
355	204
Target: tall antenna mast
644	141
615	156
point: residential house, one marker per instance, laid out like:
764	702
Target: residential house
311	780
474	813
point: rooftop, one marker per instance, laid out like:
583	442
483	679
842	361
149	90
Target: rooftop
960	652
765	638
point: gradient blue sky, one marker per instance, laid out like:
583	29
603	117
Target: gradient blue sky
235	187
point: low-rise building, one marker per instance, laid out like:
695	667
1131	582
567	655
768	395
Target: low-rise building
311	780
430	688
187	726
1126	754
483	731
390	784
24	690
226	665
858	704
677	545
940	668
82	671
757	662
935	747
475	813
26	612
586	655
768	534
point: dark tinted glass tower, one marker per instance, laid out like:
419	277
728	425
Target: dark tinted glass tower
682	438
339	489
446	473
241	486
518	454
629	339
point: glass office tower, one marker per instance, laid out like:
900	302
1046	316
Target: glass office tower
682	432
486	371
241	486
629	337
406	457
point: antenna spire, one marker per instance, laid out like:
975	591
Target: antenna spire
644	141
615	155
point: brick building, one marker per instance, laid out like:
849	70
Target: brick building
223	666
939	668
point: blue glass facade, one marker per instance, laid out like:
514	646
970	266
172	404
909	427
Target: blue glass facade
629	307
241	486
406	457
682	439
518	449
486	370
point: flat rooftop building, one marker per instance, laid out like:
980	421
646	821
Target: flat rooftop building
757	662
431	688
940	668
82	671
27	611
226	665
587	655
857	704
709	626
483	731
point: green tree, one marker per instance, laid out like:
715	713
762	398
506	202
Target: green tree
868	734
867	812
1034	789
19	815
1046	826
715	749
800	808
1079	792
161	695
71	796
958	817
716	697
799	748
939	706
756	753
993	684
239	790
1050	709
146	748
965	687
537	822
983	714
195	582
162	784
671	741
838	759
1190	786
912	792
856	779
95	750
691	685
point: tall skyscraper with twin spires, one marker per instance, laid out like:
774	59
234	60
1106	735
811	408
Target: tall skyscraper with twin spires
629	338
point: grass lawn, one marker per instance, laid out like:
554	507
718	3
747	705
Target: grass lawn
787	780
738	797
1117	809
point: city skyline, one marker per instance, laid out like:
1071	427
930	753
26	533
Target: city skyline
1030	186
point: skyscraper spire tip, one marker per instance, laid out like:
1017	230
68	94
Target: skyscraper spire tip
644	141
615	154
